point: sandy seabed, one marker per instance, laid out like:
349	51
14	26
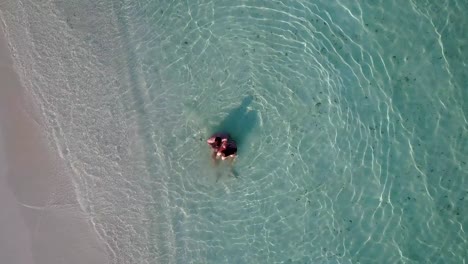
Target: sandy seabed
41	220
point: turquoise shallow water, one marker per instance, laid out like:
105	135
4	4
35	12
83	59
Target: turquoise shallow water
351	121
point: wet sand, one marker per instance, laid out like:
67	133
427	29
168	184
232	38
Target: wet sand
41	220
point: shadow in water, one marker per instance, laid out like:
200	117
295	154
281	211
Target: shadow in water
239	123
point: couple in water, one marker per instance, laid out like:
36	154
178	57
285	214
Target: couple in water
223	147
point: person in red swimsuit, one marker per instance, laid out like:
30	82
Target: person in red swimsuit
222	146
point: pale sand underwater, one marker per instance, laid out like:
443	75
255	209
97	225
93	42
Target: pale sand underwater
40	220
351	121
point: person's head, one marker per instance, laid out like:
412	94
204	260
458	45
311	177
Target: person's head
218	141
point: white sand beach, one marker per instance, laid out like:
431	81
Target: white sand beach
40	220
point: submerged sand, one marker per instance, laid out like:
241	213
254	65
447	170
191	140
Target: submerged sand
40	220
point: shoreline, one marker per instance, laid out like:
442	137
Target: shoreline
41	218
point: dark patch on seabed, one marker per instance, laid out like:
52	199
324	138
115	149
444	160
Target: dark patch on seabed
239	123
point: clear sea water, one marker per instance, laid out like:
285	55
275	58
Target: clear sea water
351	120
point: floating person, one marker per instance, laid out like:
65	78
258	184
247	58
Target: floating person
223	147
216	142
